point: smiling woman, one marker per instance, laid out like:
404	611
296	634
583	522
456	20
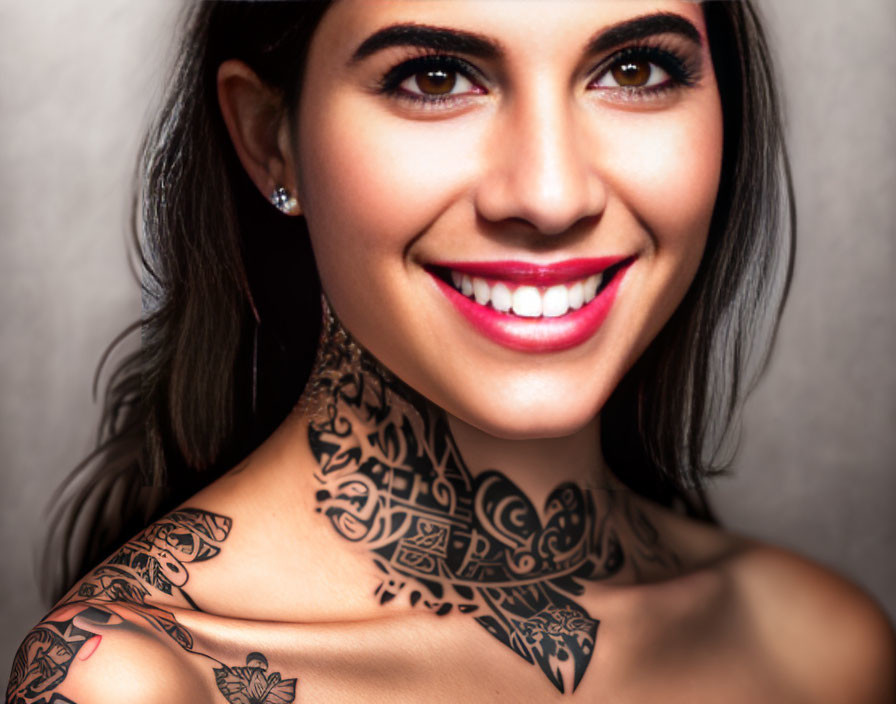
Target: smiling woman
447	307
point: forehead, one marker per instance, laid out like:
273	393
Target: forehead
519	27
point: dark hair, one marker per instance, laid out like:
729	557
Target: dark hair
232	298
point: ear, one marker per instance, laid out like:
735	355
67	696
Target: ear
254	116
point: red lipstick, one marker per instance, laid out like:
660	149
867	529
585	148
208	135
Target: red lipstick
531	334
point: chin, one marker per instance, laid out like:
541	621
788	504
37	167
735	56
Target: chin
539	418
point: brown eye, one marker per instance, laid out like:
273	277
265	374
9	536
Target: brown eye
635	74
632	74
436	82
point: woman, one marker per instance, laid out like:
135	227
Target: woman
543	239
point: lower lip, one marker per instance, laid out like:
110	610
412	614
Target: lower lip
536	334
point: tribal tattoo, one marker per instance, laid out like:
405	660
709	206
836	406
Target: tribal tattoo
152	565
401	489
252	685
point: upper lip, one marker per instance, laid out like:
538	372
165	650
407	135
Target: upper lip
532	274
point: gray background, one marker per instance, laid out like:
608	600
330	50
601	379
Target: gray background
816	467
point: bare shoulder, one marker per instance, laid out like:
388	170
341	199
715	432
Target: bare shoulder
831	640
91	653
819	635
118	634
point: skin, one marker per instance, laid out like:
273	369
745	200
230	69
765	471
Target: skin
556	163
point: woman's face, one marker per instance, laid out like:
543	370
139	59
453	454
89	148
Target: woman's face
557	162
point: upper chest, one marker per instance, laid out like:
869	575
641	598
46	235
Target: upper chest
645	650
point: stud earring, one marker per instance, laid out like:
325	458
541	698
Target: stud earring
284	202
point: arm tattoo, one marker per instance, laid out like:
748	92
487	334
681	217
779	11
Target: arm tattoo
44	657
478	544
150	567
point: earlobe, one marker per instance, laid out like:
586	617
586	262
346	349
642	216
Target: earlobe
253	113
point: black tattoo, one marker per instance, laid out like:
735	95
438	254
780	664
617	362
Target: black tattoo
45	656
151	565
478	544
252	685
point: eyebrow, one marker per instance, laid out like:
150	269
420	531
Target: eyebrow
459	41
427	37
642	27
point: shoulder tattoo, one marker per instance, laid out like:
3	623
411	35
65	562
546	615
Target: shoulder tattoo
151	568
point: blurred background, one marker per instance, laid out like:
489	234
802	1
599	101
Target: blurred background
816	470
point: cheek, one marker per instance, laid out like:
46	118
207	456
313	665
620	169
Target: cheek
666	171
369	185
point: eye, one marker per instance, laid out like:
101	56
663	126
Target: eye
437	82
432	79
643	71
633	73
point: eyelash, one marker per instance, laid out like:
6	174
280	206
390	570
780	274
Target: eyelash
679	73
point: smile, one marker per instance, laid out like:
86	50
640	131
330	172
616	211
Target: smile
536	308
528	301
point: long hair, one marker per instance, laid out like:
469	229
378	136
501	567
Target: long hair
232	298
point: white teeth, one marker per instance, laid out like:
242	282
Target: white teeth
481	291
576	295
592	283
527	302
555	302
501	298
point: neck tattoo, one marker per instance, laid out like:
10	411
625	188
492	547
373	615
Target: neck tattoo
391	479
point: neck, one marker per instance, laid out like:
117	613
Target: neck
349	381
536	465
501	527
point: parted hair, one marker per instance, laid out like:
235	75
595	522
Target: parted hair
232	298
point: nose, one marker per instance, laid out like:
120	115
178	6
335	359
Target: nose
540	167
